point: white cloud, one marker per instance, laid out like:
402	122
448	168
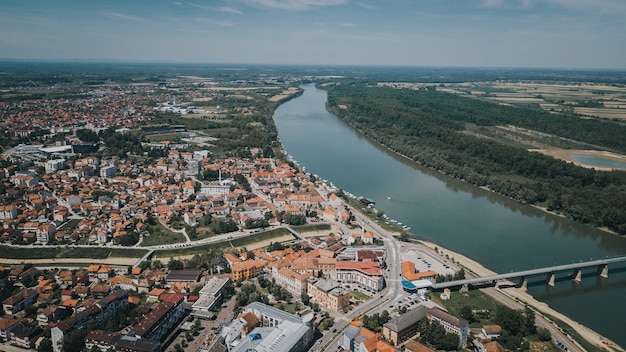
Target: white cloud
120	16
295	5
229	10
214	22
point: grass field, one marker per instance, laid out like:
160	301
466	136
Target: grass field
475	299
68	252
160	235
239	242
312	228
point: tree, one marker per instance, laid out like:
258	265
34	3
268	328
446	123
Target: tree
305	298
45	345
467	313
175	264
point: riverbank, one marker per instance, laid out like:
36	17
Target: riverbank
521	296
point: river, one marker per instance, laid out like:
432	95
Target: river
499	233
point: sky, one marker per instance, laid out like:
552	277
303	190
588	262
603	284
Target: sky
465	33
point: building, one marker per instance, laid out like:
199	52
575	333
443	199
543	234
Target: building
279	331
45	232
368	275
290	280
160	321
247	269
329	294
8	212
409	273
97	313
19	301
25	334
358	339
216	188
116	342
414	346
450	323
55	165
210	296
108	171
491	331
188	276
193	167
404	326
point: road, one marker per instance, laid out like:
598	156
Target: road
391	293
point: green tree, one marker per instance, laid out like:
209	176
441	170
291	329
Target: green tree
45	345
175	264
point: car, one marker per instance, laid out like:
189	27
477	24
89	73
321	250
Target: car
334	330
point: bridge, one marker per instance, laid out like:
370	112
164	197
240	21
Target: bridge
550	272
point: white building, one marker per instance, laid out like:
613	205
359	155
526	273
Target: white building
55	165
108	171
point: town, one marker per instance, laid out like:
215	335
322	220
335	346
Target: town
206	252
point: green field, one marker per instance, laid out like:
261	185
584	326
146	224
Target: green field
68	252
239	242
160	235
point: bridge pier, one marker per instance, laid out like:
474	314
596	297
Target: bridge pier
577	276
550	279
603	270
523	283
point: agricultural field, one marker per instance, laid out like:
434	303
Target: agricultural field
590	100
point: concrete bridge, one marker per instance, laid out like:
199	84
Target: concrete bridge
602	266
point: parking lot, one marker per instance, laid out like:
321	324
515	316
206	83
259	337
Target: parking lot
425	261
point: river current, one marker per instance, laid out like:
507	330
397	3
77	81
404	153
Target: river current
499	233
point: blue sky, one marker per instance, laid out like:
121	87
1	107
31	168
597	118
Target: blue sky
483	33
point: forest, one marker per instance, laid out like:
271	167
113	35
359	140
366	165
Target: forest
430	127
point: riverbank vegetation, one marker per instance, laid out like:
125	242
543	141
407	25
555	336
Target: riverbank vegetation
438	130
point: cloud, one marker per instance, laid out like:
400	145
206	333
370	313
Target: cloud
228	10
295	5
347	25
214	22
120	16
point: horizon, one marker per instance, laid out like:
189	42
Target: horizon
5	60
534	34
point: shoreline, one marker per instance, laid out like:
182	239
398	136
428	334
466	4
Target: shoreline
545	210
522	297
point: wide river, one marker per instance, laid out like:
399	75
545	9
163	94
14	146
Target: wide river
499	233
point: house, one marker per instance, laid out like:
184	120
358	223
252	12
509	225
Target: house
491	331
52	314
6	324
19	301
25	334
